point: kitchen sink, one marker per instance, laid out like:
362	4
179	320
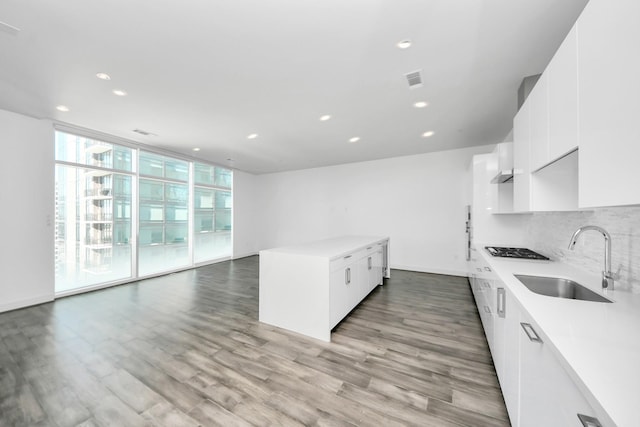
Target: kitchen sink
559	288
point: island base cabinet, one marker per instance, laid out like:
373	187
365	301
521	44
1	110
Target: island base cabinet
344	291
548	396
352	278
311	287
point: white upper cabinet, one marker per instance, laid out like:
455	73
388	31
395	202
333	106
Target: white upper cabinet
562	93
609	113
538	124
521	156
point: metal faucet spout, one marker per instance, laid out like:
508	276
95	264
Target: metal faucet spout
607	275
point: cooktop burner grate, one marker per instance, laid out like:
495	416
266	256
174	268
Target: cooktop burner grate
514	253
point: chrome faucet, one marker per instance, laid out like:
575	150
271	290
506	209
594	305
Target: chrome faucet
607	274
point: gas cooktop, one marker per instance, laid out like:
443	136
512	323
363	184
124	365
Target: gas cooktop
514	253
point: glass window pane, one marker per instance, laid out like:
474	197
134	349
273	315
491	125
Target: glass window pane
93	227
151	164
177	169
223	177
203	174
164	226
151	190
212	227
163	167
86	151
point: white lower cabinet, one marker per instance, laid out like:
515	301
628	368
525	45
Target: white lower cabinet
537	389
374	267
548	396
352	278
505	351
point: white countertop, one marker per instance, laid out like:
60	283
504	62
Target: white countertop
598	343
331	248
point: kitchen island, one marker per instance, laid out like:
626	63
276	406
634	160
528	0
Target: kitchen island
310	288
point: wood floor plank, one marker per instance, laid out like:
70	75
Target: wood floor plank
165	414
187	349
131	390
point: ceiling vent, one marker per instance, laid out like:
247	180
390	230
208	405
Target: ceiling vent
144	132
414	79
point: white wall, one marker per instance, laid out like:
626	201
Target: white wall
245	215
27	211
419	201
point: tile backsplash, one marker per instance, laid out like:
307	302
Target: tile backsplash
550	233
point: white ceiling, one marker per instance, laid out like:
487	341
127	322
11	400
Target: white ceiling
207	73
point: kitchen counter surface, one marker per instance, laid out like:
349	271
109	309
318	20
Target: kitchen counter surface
331	248
598	343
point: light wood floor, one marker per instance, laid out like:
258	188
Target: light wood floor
186	349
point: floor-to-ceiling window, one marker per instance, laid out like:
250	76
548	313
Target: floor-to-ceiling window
212	212
123	212
93	212
163	214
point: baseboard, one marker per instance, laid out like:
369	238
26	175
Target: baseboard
420	269
244	255
14	305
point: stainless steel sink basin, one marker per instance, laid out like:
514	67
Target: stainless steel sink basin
559	288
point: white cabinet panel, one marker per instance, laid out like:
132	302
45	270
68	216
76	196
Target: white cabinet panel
521	157
548	396
608	72
562	90
374	266
538	124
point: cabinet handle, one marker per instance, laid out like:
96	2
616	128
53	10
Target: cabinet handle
369	263
479	269
501	303
369	247
487	309
347	257
531	333
347	276
487	269
588	421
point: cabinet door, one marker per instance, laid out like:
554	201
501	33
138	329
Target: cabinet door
486	309
562	90
608	70
538	124
510	364
521	170
342	292
374	270
548	396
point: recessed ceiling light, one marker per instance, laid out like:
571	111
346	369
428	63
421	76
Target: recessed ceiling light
354	139
196	149
325	118
119	92
252	136
428	134
62	108
103	76
404	44
420	104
